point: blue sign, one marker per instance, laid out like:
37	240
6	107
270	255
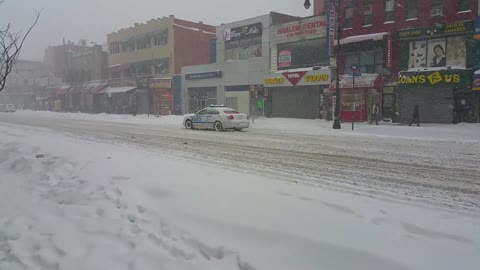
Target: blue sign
204	75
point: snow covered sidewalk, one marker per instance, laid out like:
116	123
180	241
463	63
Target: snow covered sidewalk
92	205
432	132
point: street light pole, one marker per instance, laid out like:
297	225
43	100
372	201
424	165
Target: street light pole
336	120
336	4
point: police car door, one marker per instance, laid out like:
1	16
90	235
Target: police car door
213	115
200	118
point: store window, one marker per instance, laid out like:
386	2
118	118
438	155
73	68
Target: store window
436	8
114	48
367	61
389	10
464	5
438	52
412	9
302	54
243	49
368	13
348	17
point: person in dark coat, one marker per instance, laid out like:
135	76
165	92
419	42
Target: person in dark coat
416	116
374	114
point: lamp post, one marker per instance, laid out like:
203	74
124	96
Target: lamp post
336	4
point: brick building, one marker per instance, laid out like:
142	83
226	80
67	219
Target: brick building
388	38
159	48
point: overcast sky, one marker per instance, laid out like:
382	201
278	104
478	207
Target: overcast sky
93	19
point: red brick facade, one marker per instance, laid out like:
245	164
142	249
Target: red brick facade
191	43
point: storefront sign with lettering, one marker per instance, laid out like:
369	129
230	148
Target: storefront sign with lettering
242	32
298	78
310	28
160	83
388	51
437	30
204	75
441	78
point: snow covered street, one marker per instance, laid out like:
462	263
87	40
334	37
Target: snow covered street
118	192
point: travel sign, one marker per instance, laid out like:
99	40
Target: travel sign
298	78
440	78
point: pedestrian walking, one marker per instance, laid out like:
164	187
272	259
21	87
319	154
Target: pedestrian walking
374	114
416	116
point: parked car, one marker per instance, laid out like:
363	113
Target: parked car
218	118
7	108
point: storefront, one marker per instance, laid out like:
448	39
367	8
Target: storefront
161	96
295	93
201	89
438	61
358	96
443	95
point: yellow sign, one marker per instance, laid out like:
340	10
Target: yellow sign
272	81
317	78
432	79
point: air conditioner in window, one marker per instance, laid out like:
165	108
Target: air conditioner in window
436	12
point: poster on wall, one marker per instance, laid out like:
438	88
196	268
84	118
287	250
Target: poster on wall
437	53
285	58
456	53
418	54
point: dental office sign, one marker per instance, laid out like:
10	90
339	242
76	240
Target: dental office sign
311	28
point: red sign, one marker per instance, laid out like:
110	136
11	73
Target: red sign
294	77
160	83
388	56
298	30
285	58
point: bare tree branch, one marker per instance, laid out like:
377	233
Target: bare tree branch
11	44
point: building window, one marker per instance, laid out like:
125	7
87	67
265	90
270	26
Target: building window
347	17
389	10
464	5
368	13
144	43
161	39
302	54
412	9
114	48
367	61
437	8
243	49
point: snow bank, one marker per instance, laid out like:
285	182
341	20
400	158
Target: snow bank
89	205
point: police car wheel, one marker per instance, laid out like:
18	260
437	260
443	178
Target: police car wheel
218	126
188	124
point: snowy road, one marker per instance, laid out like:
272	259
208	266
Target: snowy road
100	192
431	172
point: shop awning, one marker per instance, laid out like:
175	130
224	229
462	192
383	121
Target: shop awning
118	90
62	90
375	36
94	87
366	80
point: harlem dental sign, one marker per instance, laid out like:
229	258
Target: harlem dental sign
441	78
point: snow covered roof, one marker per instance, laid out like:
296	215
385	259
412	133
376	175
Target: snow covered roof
477	72
118	90
375	36
193	29
428	69
299	69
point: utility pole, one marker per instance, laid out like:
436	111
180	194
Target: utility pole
336	4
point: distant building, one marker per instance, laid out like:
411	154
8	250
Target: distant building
24	84
242	61
56	58
159	48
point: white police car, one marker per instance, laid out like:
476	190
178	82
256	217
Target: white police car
218	118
